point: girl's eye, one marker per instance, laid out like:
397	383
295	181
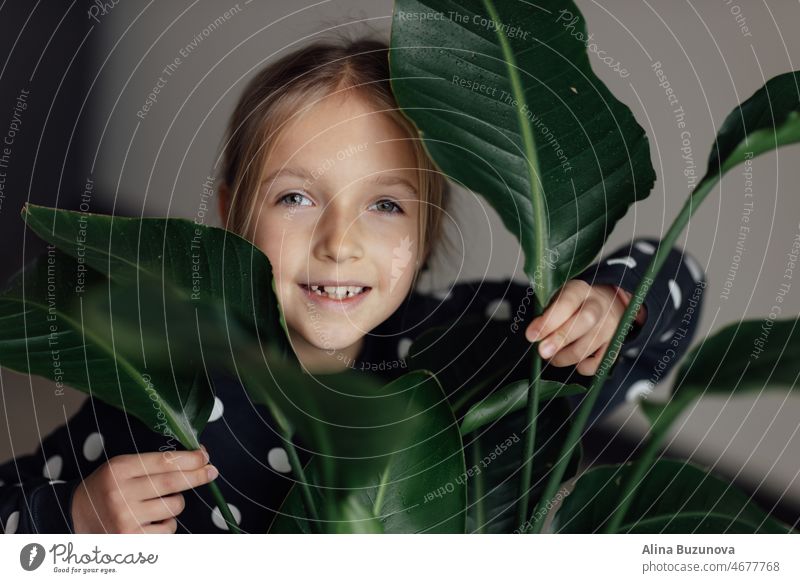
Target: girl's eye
392	209
294	201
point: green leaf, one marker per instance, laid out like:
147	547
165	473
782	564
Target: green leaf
201	262
352	423
353	517
494	457
674	497
768	119
751	355
513	397
421	488
522	120
44	333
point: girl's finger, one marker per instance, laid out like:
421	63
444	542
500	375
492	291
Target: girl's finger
158	485
168	526
155	462
580	324
571	296
160	508
588	367
579	350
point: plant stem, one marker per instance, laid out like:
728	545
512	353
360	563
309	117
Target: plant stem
541	230
480	509
657	261
225	511
223	508
305	490
532	413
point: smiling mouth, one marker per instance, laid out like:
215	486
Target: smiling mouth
340	293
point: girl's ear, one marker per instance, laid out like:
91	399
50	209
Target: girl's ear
223	202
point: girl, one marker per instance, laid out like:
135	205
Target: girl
325	175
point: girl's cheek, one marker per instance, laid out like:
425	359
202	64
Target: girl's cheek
274	237
398	260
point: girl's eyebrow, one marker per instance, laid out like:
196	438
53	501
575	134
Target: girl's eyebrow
303	174
390	180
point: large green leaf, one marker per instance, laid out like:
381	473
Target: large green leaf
751	355
519	117
422	488
674	497
43	332
43	309
354	425
199	261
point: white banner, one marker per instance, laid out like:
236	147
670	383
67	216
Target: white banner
400	558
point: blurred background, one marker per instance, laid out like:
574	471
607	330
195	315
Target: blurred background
85	70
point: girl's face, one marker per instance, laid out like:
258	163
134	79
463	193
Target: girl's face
338	212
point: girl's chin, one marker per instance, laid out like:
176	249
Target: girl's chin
319	339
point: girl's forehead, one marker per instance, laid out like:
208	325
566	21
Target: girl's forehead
339	118
344	134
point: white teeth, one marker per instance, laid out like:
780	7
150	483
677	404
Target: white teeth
337	292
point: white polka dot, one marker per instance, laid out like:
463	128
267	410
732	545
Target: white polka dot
675	292
219	522
52	469
217	411
443	294
93	446
694	269
12	523
498	310
57	482
631	352
645	247
666	335
638	389
278	459
402	348
627	260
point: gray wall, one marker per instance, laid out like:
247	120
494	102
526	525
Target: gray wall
157	165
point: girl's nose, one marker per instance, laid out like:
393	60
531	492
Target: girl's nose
337	235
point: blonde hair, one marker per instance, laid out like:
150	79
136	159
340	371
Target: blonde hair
297	81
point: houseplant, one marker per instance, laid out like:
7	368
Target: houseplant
143	282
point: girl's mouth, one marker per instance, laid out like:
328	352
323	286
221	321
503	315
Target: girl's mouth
335	296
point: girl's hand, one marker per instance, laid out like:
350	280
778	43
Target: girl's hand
579	323
139	493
